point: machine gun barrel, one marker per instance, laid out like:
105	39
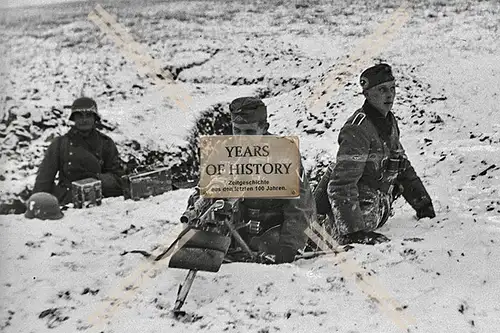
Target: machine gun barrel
188	216
194	212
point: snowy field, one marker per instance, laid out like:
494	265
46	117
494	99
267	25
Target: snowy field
72	275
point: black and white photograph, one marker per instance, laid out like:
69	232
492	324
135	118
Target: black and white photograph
250	166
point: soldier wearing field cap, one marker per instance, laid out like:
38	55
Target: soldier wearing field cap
293	216
249	116
371	168
83	152
282	222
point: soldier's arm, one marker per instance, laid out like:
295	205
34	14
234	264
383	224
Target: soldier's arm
48	168
343	193
193	197
112	170
298	215
414	190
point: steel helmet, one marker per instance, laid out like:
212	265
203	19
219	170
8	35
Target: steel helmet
84	104
43	206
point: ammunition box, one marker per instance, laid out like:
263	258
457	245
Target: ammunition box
146	184
86	192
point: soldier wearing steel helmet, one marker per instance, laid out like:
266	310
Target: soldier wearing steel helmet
371	167
83	152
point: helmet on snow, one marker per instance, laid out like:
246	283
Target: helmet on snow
43	206
84	104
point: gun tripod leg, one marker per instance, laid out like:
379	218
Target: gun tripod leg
164	253
239	239
183	292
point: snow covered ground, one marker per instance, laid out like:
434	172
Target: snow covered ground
62	276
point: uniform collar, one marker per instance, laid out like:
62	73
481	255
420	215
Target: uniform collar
74	132
90	142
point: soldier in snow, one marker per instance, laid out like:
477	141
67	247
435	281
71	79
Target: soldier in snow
285	220
371	169
83	152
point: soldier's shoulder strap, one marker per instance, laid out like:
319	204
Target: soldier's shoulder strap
104	136
358	118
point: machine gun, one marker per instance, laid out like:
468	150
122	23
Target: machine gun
215	223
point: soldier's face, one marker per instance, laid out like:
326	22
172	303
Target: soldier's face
382	96
84	121
250	129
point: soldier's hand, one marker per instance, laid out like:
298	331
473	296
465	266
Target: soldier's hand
363	237
265	258
285	254
427	211
89	174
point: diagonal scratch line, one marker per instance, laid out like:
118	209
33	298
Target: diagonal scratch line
316	239
368	48
324	234
132	46
129	286
366	282
126	40
146	64
317	100
152	68
141	61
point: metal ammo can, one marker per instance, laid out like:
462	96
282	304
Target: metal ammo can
86	192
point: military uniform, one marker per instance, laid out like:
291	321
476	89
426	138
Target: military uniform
291	217
359	185
372	169
76	156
